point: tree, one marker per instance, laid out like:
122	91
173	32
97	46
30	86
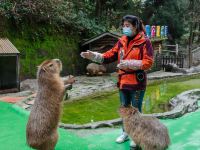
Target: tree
61	14
150	8
169	13
194	22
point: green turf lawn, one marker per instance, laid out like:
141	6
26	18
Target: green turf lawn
103	106
13	120
184	133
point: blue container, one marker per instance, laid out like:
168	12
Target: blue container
162	33
148	31
166	31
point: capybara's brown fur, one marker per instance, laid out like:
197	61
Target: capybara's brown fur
41	131
146	131
95	69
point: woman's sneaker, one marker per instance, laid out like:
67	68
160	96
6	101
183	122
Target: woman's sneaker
132	144
122	138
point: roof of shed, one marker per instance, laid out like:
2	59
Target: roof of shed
115	35
6	47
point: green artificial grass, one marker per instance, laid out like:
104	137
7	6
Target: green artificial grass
13	131
184	133
104	106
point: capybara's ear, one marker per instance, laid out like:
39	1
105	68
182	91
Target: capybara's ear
41	70
129	111
134	110
44	69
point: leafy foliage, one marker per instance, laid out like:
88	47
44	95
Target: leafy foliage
34	22
169	13
58	46
59	13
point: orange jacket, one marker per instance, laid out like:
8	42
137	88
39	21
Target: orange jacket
139	48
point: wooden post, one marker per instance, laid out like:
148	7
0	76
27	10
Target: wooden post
176	49
162	63
17	72
191	8
159	48
182	60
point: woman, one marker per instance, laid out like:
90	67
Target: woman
135	55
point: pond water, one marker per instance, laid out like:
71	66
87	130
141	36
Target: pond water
150	99
157	97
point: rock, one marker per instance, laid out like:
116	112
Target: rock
194	69
29	84
171	67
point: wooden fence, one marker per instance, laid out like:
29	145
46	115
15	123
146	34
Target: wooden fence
178	60
160	61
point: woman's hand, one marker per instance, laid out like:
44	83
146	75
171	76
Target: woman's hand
123	65
94	56
89	55
130	64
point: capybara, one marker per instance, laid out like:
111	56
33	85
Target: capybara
146	131
95	69
41	130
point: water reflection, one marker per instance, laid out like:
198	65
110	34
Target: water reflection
151	104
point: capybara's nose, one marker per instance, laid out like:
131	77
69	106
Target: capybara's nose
57	60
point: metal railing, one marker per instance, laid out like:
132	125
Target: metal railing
161	60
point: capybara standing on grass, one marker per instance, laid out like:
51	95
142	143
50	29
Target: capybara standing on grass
146	131
41	131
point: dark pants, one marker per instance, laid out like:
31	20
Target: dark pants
134	98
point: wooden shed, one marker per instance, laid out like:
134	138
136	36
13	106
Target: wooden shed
9	67
101	43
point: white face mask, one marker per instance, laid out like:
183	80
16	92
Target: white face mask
127	31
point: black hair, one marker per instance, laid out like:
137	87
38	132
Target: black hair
135	21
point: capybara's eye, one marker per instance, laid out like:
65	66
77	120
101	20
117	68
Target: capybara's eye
51	65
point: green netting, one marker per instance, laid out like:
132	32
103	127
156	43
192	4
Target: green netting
184	133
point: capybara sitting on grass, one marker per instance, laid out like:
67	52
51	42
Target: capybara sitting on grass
146	131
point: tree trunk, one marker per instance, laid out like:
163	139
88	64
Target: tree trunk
198	40
191	7
194	29
98	8
190	46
